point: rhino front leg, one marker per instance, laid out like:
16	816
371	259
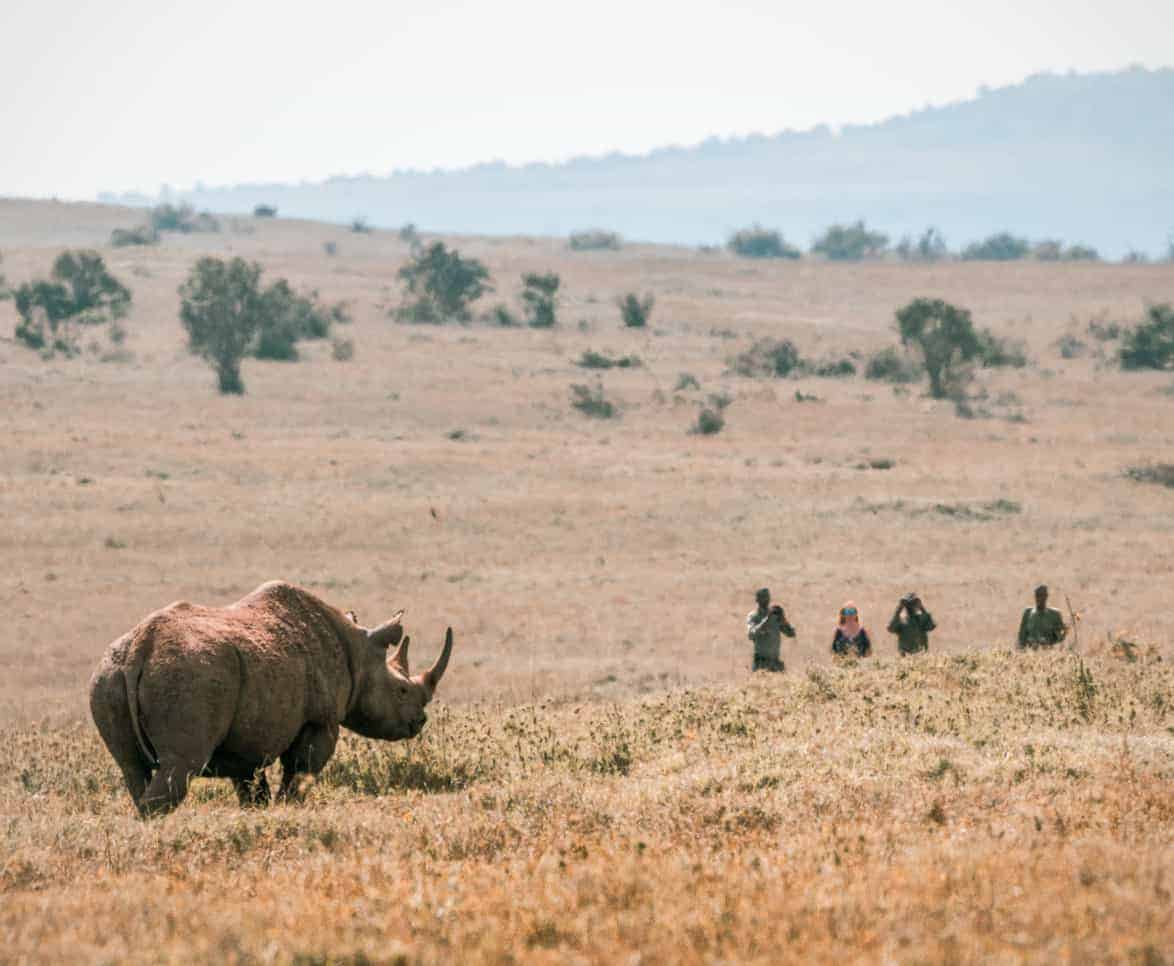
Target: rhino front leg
308	754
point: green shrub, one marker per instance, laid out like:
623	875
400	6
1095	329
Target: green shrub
342	350
995	352
851	243
140	235
759	242
1160	473
834	368
1081	253
890	364
634	311
359	225
590	401
4	293
82	292
686	380
945	336
929	247
539	296
594	239
181	218
1150	344
287	318
769	357
1001	247
439	285
709	422
1071	347
264	211
330	248
220	307
501	315
590	359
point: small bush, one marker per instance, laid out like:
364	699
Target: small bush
769	357
1002	247
635	312
995	352
264	211
141	235
342	350
1150	344
709	422
594	239
590	359
359	225
540	295
759	242
4	293
1081	253
440	285
1160	473
408	233
287	318
929	247
1104	331
82	293
1071	347
330	248
890	364
501	315
182	218
686	381
590	401
851	243
834	368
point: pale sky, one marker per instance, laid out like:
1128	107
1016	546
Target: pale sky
132	94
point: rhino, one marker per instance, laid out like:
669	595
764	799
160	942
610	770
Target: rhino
225	691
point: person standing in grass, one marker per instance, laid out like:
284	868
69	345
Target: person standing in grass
765	626
911	623
850	638
1041	625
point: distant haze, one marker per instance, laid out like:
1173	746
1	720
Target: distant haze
1077	158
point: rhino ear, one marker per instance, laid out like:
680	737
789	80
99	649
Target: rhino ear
387	633
399	658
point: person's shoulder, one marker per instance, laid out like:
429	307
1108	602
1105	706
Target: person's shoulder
752	616
1028	610
1056	611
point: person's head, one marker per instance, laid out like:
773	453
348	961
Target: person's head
1041	596
849	614
911	602
762	595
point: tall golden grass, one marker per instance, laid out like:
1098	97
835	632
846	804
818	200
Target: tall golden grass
602	779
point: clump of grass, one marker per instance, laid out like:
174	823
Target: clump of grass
635	311
590	359
685	382
1160	473
590	401
709	422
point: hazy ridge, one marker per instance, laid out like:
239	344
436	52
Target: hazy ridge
1079	157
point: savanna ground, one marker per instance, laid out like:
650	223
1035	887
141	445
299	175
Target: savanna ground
601	779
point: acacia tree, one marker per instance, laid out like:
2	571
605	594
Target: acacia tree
81	292
945	336
440	285
221	309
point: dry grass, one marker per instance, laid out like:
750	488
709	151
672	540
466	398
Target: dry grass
603	779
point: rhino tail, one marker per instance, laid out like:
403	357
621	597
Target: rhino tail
130	676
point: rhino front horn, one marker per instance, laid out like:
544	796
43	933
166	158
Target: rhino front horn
433	675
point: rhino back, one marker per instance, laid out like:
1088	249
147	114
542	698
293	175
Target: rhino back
243	679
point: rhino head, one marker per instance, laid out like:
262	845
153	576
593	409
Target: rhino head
389	702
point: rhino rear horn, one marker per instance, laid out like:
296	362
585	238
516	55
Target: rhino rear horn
387	633
400	657
432	676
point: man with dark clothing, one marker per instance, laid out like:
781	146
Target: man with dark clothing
911	623
1041	626
765	626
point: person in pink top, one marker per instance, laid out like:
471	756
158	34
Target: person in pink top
851	638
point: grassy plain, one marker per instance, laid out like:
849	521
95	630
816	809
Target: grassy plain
603	778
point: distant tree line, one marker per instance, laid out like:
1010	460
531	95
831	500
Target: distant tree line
855	241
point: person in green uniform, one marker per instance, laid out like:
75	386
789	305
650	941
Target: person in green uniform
1041	625
911	623
765	626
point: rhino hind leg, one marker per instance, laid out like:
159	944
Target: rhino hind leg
252	792
308	754
168	787
112	718
248	777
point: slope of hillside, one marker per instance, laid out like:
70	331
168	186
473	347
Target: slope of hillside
1082	157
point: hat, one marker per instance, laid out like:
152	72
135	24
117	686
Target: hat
761	592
